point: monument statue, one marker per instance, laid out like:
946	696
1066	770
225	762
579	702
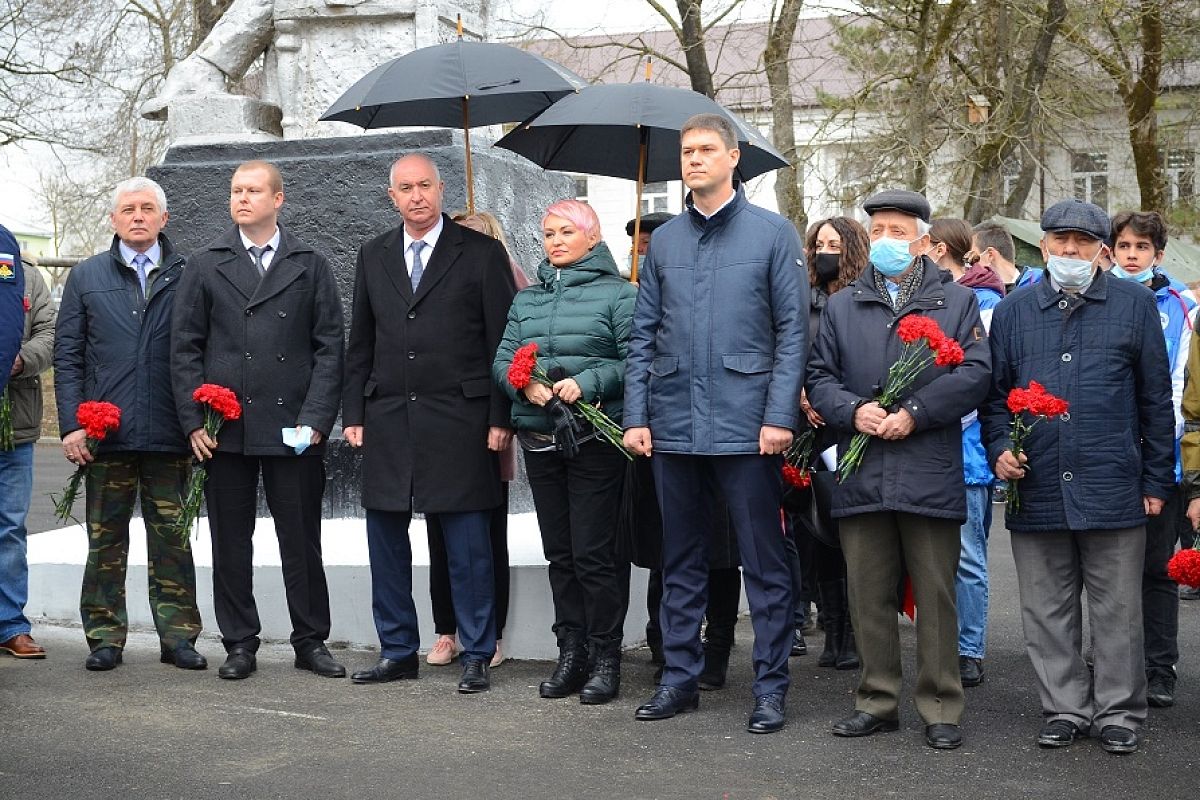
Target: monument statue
312	50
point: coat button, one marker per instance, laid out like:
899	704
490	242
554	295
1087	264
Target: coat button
940	302
1062	304
248	356
1067	476
280	357
282	314
278	401
412	397
249	313
1066	357
1066	416
411	354
412	315
249	400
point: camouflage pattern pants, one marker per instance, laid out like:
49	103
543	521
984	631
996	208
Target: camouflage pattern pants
113	483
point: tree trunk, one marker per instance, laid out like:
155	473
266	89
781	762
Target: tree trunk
789	194
1141	113
691	38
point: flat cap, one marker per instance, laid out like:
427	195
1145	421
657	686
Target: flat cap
649	222
912	203
1076	215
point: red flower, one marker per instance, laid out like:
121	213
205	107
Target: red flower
219	399
915	326
794	476
1018	400
1184	568
98	418
1047	405
520	371
949	354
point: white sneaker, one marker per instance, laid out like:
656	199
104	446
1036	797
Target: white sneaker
443	652
498	658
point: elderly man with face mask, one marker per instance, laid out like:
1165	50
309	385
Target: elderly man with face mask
905	503
1089	478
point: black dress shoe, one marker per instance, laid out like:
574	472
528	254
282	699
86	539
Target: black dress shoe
799	646
860	723
475	677
103	659
666	702
388	669
1118	739
184	656
1160	690
238	664
319	660
1057	733
970	670
767	716
943	736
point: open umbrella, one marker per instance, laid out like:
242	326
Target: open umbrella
460	84
629	130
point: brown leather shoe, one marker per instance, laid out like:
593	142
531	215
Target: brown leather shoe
23	646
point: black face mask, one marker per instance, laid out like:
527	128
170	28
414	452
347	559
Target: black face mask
827	265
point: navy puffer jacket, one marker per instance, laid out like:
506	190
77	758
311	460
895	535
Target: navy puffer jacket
1089	469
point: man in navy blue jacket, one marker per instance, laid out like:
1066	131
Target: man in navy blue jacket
12	298
1087	479
713	380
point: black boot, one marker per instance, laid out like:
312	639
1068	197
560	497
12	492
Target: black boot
605	680
847	655
833	609
571	671
716	664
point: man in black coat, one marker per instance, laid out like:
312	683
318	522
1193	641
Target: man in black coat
258	313
905	503
431	300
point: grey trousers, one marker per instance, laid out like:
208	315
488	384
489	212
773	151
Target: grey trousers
1052	570
874	545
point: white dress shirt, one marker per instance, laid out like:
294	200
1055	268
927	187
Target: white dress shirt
430	239
268	255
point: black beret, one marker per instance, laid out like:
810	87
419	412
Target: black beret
912	203
1076	215
649	222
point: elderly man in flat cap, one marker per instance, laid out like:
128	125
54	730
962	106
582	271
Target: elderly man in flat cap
905	504
1088	479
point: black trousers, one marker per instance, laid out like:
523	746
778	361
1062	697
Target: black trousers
577	500
294	486
1160	594
439	570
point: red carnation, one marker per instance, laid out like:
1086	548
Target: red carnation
220	405
949	354
520	371
916	326
1038	403
219	399
1018	400
97	419
799	478
1184	568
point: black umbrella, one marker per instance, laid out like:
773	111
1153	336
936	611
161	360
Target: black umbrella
460	84
629	130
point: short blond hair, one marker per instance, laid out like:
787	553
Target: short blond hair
274	178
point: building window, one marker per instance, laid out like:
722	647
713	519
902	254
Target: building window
1179	173
581	188
654	197
1090	174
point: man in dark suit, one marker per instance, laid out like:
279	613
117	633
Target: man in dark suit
258	312
430	303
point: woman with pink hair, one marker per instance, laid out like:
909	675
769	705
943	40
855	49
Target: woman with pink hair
579	313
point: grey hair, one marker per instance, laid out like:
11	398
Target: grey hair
139	183
718	123
437	173
923	227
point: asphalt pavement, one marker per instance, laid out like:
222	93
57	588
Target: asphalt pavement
148	730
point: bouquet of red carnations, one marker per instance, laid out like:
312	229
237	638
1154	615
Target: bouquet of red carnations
797	460
524	369
97	419
220	404
1038	404
925	344
1184	567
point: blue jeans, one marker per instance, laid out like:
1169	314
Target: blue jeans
971	582
16	490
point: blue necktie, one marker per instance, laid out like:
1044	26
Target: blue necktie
139	263
417	266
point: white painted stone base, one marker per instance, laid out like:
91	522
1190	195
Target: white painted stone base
56	560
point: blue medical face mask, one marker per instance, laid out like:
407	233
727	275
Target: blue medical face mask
890	256
1140	277
1071	273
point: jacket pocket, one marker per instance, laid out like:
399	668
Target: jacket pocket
664	365
369	387
477	387
748	363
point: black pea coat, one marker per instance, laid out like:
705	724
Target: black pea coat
418	372
276	342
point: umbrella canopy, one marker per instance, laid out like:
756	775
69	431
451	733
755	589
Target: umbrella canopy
600	131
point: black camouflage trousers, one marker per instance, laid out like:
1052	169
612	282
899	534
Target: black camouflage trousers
113	483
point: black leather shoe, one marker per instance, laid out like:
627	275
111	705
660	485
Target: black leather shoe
570	673
103	659
799	646
1160	690
475	677
319	660
767	716
666	702
1118	739
970	670
1057	733
943	736
238	664
389	669
184	656
860	723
